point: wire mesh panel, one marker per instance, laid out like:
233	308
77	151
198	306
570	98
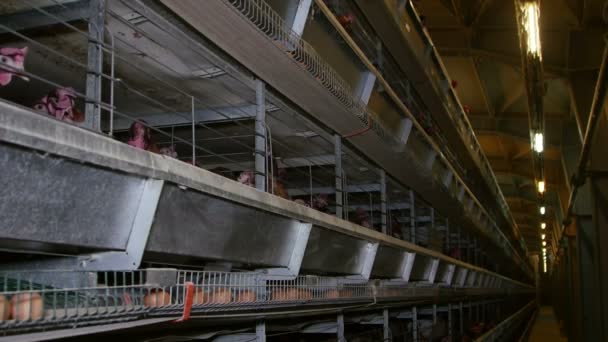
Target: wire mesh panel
30	303
36	300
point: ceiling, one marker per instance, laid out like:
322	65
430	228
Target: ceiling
478	42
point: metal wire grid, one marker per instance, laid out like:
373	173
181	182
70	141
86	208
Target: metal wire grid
271	23
113	296
30	304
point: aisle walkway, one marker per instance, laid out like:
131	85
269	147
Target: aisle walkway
546	328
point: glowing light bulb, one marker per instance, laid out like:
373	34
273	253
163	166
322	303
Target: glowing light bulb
544	243
541	186
538	143
531	13
542	210
542	236
543	225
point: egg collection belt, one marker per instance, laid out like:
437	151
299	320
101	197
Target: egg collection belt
45	300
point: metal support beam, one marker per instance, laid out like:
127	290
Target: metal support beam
599	195
339	179
260	136
301	17
128	259
413	223
340	330
260	331
386	326
403	135
447	235
415	323
367	264
297	255
97	14
131	258
366	86
450	320
470	311
461	321
430	159
383	206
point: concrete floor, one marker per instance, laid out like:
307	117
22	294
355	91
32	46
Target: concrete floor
546	327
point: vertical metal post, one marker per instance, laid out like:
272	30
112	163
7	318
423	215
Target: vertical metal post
468	244
385	326
415	323
434	313
310	184
470	311
458	245
461	318
599	196
589	295
431	235
97	14
340	329
112	83
475	252
260	135
193	134
413	218
339	180
260	331
383	207
450	323
447	234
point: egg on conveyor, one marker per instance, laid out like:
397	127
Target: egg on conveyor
157	298
5	309
26	306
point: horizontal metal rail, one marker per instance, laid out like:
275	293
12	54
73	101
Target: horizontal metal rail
597	106
119	296
500	331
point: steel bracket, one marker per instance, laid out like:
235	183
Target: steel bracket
295	262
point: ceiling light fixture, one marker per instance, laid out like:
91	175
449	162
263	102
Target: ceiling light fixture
543	225
531	14
544	243
542	210
538	143
541	186
542	236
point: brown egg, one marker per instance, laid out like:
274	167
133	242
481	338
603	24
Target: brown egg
344	293
221	295
5	309
289	293
199	297
332	294
157	298
305	294
26	306
245	296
